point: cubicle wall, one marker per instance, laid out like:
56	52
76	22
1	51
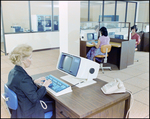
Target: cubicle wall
144	43
122	56
38	41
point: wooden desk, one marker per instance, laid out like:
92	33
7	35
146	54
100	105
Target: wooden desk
88	102
121	54
113	44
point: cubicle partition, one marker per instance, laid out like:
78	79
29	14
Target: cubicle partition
122	56
143	31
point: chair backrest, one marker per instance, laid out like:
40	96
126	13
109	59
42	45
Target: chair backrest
104	47
12	101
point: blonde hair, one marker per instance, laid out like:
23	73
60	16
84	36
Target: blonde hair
19	53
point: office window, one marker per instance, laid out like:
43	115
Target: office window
41	15
95	10
121	9
109	10
56	15
131	13
15	16
84	11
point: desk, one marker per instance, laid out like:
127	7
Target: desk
121	54
88	101
113	44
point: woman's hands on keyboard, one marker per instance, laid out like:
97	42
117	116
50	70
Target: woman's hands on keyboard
47	83
40	81
93	43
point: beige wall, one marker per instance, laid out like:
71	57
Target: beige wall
41	8
121	7
109	9
143	12
83	14
131	13
95	11
13	15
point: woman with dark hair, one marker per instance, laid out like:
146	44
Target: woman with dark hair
103	40
134	35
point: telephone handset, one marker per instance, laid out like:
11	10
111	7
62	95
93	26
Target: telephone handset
115	86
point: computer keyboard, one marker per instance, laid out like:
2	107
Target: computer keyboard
90	42
58	87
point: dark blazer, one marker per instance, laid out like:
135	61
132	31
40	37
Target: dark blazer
28	94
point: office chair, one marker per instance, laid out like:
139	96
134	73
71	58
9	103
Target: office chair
11	101
103	58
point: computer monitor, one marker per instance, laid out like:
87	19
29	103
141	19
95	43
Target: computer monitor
88	35
147	28
111	34
81	71
119	36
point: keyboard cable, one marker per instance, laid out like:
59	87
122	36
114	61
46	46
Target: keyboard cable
77	83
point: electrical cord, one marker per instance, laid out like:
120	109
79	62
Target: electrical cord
77	83
131	102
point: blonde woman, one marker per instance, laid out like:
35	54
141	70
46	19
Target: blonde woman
21	83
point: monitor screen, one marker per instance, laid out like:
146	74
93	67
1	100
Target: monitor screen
67	63
111	34
119	36
95	36
90	36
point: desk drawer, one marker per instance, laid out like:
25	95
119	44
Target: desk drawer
64	112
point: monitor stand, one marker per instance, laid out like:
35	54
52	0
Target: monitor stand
77	81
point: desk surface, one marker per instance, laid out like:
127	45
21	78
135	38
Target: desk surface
87	100
114	44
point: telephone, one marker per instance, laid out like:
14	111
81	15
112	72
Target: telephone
115	86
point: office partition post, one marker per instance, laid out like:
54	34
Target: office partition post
52	28
135	12
129	31
88	10
30	16
126	13
115	10
103	12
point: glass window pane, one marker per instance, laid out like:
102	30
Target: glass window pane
41	15
95	10
131	13
56	15
84	11
109	10
15	16
121	9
